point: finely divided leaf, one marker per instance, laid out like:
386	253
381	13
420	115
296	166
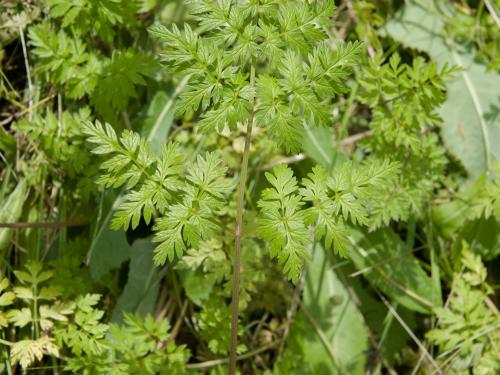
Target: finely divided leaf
282	221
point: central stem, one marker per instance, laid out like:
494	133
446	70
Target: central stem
238	231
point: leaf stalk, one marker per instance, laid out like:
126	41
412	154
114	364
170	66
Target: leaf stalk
239	230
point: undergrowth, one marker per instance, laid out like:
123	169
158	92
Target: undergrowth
254	187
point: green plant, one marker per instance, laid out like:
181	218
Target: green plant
467	332
404	101
270	66
243	69
58	327
139	345
41	313
269	196
70	58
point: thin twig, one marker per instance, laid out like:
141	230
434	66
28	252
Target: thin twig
162	302
7	120
299	157
217	362
5	342
126	120
288	160
178	323
292	311
493	12
62	224
184	126
386	261
355	138
28	73
491	305
260	324
384	274
27	110
409	332
324	339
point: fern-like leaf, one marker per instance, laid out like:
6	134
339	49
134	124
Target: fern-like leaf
132	162
192	220
282	222
322	214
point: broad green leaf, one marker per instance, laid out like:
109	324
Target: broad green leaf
389	265
482	235
471	128
449	217
141	290
318	144
108	248
329	311
10	212
160	115
7	143
458	221
197	285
